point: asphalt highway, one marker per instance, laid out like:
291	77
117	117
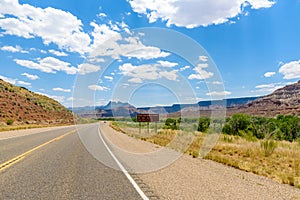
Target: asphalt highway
56	165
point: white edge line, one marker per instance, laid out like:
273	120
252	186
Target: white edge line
122	168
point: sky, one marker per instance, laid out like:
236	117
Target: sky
149	52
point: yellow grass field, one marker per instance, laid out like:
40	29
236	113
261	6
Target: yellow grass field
282	165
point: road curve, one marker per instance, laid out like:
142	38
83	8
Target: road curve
62	169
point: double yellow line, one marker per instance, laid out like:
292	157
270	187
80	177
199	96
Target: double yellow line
23	155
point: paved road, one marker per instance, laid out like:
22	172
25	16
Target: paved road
62	169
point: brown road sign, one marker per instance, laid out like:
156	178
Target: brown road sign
147	117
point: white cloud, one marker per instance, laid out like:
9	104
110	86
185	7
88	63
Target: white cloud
109	42
61	89
57	53
48	65
217	83
271	85
167	63
135	80
98	87
9	80
146	72
70	99
170	75
184	68
143	52
14	49
110	78
269	74
290	70
102	15
30	76
60	99
203	58
267	88
24	83
102	33
50	24
200	72
194	13
223	93
87	68
257	4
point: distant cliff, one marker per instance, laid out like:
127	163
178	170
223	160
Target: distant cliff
285	100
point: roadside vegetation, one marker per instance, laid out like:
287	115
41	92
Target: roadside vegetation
11	125
264	146
19	127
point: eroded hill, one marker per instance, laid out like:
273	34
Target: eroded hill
21	106
284	101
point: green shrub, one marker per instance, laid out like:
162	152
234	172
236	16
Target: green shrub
172	124
268	146
9	121
203	124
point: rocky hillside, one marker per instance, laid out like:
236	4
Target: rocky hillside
21	106
285	100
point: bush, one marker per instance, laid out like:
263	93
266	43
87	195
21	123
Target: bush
268	146
203	124
172	124
227	129
9	121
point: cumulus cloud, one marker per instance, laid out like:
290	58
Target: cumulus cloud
61	89
9	80
50	24
203	58
194	13
57	53
48	65
110	78
109	42
14	49
98	87
135	80
146	72
269	74
30	76
268	88
290	70
167	63
184	68
87	68
60	99
23	83
200	72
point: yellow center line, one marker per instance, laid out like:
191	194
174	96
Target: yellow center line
23	155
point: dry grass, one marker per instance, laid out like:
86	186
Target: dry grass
19	127
282	165
28	126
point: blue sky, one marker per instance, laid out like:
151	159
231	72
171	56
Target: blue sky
247	48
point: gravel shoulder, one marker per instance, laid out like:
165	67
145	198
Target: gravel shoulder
196	178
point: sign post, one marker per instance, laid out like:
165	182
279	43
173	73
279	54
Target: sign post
148	118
